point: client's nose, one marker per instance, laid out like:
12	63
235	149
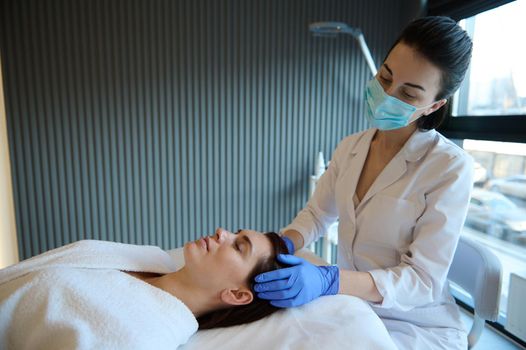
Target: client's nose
221	234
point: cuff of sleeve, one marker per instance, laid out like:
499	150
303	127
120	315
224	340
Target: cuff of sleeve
332	275
380	278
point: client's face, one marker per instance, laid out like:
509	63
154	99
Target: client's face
225	260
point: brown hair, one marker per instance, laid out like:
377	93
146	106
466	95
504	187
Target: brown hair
258	308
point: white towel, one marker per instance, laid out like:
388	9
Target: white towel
76	297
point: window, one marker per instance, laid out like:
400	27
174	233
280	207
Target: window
496	81
497	210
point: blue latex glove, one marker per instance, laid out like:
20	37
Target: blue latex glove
289	244
298	284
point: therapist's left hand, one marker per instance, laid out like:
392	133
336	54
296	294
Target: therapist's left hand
298	284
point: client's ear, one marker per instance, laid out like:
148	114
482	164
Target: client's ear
241	296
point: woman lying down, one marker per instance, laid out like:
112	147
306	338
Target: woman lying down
95	294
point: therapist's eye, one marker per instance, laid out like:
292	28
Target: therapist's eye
409	96
385	80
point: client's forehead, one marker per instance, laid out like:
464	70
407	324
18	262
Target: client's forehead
261	244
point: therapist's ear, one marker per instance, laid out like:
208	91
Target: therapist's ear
241	296
435	106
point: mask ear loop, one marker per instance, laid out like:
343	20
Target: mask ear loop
425	115
433	104
422	115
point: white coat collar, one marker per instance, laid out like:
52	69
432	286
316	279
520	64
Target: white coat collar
418	145
415	147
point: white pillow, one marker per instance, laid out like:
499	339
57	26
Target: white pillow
330	322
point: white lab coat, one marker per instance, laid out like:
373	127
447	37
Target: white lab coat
404	232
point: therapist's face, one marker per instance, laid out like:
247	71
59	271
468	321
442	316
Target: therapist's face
410	77
225	260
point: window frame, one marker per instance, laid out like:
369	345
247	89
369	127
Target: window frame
506	128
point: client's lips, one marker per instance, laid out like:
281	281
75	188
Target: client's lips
204	243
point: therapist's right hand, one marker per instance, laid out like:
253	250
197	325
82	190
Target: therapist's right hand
289	244
298	284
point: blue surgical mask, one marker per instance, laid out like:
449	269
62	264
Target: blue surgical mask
386	112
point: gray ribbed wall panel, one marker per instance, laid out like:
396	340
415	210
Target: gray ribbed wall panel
153	122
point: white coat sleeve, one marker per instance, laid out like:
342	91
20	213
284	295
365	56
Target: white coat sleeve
422	273
321	211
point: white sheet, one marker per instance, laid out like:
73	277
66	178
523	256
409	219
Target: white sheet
331	322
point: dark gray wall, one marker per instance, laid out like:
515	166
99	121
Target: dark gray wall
153	122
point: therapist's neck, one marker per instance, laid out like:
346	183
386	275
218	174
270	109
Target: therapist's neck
394	139
181	285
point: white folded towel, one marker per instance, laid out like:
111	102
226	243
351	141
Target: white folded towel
77	297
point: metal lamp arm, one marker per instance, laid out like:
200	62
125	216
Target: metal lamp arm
366	53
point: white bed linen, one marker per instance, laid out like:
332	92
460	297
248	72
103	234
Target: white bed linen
331	322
